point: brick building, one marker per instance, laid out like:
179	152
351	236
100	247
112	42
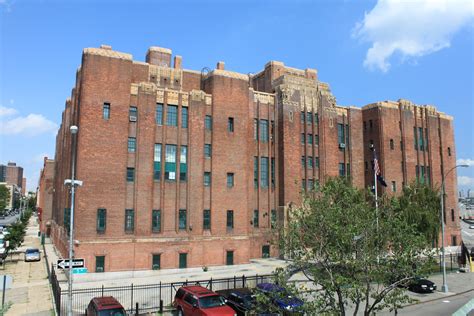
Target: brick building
12	174
183	168
44	198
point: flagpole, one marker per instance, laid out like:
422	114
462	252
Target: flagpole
376	197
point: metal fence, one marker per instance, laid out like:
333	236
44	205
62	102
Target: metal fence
145	297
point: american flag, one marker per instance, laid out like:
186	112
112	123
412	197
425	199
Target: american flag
377	171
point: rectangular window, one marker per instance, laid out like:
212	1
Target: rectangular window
99	263
454	240
184	117
206	219
449	151
273	218
316	140
392	146
302	117
255	218
255	129
264	172
264	130
170	162
316	118
230	180
309	117
101	220
310	162
133	114
183	260
208	122
303	139
341	134
272	170
132	144
156	262
365	125
394	186
452	215
342	169
172	115
310	138
303	184
182	220
310	184
230	219
255	172
316	162
420	139
156	221
129	220
159	114
348	169
157	162
371	125
183	163
266	251
130	174
229	258
303	162
207	179
207	150
106	111
415	138
230	124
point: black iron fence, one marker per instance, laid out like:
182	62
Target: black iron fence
145	297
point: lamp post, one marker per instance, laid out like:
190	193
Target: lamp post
72	182
444	288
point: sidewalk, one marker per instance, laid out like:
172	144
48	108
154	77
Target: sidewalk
29	294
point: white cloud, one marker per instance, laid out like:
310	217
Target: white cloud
411	28
31	125
4	111
465	181
469	162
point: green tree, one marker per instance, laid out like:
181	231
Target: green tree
352	254
4	198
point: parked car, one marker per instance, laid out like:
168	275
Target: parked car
471	226
241	300
105	306
32	254
198	301
421	285
280	297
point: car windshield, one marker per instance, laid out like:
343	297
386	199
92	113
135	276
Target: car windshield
249	300
211	301
32	251
112	312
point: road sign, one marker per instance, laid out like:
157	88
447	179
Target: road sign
65	263
79	270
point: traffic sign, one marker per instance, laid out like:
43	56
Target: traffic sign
65	263
79	270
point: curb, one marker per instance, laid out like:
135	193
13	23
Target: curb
439	298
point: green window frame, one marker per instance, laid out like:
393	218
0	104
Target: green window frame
183	163
342	169
230	124
106	111
230	219
255	218
316	140
157	162
156	261
207	179
309	117
129	220
341	138
310	162
159	114
207	150
170	162
206	219
272	171
130	174
255	172
264	131
172	115
266	251
208	122
184	117
101	220
133	113
132	144
310	138
229	257
230	180
255	129
302	116
264	172
182	219
99	264
273	218
303	138
183	260
156	221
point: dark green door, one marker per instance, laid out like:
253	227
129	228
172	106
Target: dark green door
183	260
266	251
229	258
156	262
99	263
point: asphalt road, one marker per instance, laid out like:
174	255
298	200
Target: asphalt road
8	220
467	234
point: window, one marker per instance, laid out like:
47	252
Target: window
316	140
316	118
310	138
371	125
99	263
207	179
230	124
130	174
133	113
415	138
255	218
316	162
342	169
394	186
449	151
273	218
157	162
264	130
452	215
366	166
207	150
156	262
156	221
170	162
302	117
159	114
303	162
129	221
365	125
206	219
264	172
255	129
184	117
454	240
309	117
183	163
401	145
106	111
348	169
310	184
132	144
273	172
303	184
266	251
230	219
392	146
183	260
310	162
182	220
341	134
421	139
229	258
303	139
172	115
230	180
208	122
255	172
101	220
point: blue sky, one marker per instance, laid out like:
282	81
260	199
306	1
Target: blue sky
421	50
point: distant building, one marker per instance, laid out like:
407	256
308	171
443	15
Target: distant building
44	198
23	186
12	174
183	168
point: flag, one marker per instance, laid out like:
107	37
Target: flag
377	171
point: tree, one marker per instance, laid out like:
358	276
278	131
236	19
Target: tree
4	197
356	260
31	201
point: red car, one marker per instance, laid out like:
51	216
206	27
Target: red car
105	306
199	301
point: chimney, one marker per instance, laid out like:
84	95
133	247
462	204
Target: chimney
178	61
311	73
159	56
220	65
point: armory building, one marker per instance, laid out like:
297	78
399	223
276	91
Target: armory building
185	168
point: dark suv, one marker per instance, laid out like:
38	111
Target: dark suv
105	306
199	301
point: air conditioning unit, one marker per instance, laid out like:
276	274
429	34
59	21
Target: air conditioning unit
133	118
342	145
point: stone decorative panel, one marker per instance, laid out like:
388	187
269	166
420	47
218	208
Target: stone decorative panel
160	96
172	97
267	98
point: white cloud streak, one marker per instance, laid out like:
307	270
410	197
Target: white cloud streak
410	28
4	111
31	125
465	181
469	162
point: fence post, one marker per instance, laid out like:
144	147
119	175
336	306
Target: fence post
171	292
161	306
136	308
211	283
160	291
451	255
102	293
235	285
131	299
243	280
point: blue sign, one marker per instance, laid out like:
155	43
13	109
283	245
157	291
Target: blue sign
79	270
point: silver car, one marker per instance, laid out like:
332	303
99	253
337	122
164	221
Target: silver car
32	254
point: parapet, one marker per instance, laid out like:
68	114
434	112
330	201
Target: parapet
106	51
159	56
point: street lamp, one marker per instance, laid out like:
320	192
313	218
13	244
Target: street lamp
444	288
73	183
